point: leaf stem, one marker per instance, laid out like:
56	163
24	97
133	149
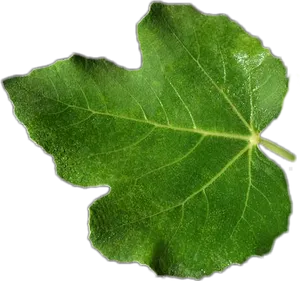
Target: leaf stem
279	150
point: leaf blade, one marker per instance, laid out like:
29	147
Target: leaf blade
172	139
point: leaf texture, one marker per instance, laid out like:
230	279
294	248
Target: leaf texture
191	193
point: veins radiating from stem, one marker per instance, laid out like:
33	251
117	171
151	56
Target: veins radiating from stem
158	125
201	189
209	77
251	100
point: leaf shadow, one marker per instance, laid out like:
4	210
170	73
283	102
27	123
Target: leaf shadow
161	254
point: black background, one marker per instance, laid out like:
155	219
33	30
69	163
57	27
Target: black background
42	217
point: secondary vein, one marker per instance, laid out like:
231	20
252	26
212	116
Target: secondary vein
159	100
184	104
233	160
248	192
210	78
176	160
201	189
158	125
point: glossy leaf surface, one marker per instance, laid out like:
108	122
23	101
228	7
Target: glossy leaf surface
176	140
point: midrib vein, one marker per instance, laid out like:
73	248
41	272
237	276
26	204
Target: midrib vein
158	125
210	78
201	189
232	161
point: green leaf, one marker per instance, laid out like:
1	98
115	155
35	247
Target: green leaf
176	140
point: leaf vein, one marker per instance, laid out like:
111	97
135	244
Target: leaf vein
223	64
79	122
232	161
203	188
248	191
175	161
184	104
262	84
210	78
132	96
53	85
58	112
128	146
251	100
160	102
195	131
84	95
177	229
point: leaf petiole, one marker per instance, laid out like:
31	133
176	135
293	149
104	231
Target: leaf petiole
279	150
